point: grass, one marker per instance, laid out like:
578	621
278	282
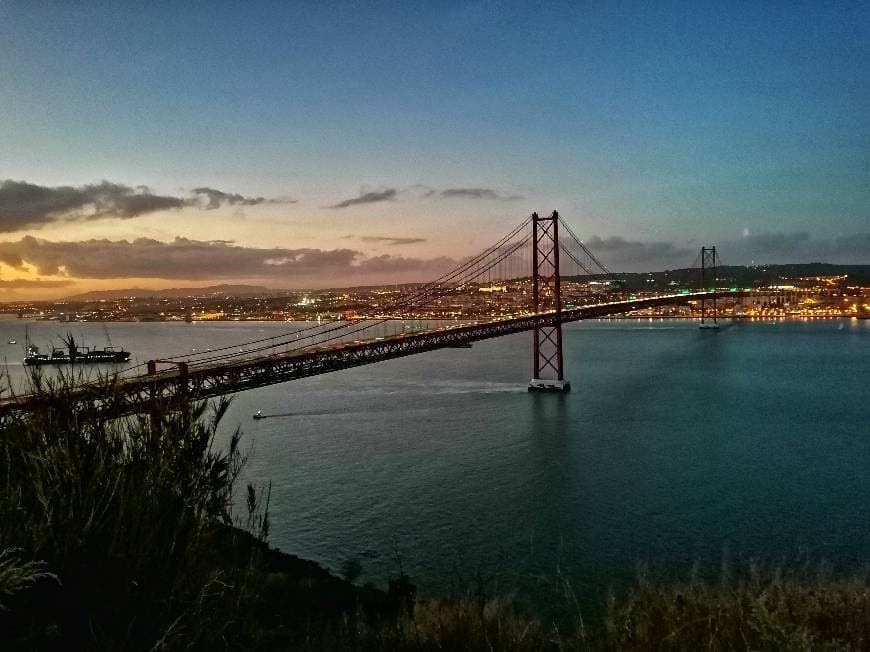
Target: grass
120	534
760	609
114	518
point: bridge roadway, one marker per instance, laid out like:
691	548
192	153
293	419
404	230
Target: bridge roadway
133	394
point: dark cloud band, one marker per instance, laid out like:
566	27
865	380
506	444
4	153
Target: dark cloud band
26	205
472	193
478	193
203	260
391	241
799	246
622	254
217	198
188	259
367	198
32	284
767	247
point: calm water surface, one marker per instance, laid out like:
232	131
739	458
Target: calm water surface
675	446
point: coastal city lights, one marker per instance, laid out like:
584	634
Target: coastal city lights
796	297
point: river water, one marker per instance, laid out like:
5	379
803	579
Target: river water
675	447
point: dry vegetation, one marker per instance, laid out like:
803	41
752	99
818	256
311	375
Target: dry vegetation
120	535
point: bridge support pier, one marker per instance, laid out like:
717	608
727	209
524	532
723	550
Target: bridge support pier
549	373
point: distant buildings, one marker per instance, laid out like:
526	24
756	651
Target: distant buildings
802	297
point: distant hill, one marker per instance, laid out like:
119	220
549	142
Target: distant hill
736	274
172	293
744	276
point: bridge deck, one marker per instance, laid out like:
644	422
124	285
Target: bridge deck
129	395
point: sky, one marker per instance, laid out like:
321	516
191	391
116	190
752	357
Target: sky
303	144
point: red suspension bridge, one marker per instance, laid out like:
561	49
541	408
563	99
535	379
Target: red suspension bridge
533	257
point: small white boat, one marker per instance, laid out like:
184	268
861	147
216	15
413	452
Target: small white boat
259	415
13	342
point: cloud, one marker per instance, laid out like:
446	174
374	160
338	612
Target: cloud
620	254
477	193
19	283
848	248
391	241
367	198
188	259
395	265
798	246
760	247
181	258
26	205
473	193
217	198
772	243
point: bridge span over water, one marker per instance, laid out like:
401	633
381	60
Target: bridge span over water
128	395
323	350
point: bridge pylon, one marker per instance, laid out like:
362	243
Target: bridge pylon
549	374
708	268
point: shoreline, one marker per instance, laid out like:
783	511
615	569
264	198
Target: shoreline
308	321
737	317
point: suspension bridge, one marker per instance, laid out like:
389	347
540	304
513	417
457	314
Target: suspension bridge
543	269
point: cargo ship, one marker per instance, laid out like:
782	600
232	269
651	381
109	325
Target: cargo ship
74	354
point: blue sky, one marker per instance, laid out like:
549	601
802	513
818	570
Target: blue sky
678	122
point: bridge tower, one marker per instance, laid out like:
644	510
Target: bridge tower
549	373
708	266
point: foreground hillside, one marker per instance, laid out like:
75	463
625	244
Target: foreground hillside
121	535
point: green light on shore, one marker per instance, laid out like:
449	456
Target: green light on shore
684	291
632	297
733	290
